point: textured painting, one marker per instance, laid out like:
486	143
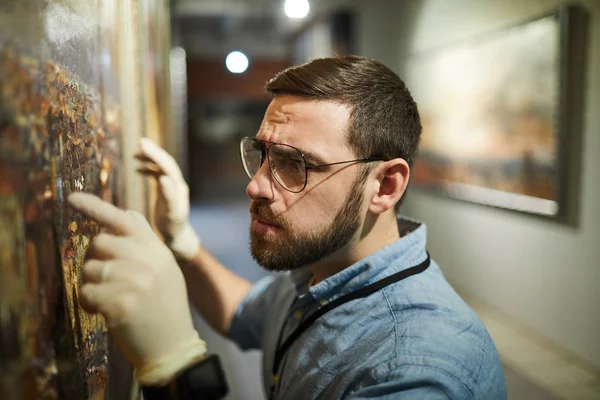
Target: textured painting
489	110
59	133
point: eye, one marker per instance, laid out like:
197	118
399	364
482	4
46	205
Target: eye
287	164
257	146
295	164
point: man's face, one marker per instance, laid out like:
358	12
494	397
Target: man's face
291	230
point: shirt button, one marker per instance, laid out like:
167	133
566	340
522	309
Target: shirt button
297	314
324	301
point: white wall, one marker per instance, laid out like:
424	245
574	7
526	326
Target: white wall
544	274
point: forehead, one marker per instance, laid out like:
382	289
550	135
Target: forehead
313	125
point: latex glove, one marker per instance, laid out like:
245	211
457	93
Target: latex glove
172	209
133	280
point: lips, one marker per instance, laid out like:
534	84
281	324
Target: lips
265	221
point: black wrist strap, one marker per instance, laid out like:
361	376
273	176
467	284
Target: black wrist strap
203	380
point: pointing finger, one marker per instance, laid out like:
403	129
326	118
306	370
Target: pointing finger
103	212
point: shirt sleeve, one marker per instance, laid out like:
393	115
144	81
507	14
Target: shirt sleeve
414	382
248	321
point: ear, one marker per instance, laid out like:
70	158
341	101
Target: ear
392	180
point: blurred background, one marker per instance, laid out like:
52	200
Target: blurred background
534	281
190	75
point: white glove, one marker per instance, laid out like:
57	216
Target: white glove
133	280
172	209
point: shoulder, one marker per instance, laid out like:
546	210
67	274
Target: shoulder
258	309
436	334
434	352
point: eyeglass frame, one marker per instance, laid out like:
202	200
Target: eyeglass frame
307	166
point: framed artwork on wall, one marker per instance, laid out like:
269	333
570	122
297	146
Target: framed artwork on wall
495	117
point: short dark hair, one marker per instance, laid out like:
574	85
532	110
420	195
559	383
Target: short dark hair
384	119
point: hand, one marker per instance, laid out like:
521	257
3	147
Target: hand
133	280
172	208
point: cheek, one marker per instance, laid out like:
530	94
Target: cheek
314	211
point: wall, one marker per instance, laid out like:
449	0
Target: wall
542	273
210	79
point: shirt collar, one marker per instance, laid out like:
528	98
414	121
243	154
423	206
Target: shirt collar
406	252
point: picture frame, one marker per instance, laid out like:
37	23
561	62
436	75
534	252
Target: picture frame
501	116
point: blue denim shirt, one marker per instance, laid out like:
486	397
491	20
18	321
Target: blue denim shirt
414	339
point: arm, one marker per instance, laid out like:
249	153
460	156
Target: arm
213	289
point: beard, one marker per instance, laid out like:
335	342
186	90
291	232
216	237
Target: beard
290	250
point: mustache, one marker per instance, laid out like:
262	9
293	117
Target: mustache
263	211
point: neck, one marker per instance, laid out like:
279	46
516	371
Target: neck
377	232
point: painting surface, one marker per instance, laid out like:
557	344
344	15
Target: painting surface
488	110
59	133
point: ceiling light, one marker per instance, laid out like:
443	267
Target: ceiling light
297	8
236	62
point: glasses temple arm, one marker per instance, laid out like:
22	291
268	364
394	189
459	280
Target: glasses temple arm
368	159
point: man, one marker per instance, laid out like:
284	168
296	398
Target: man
363	312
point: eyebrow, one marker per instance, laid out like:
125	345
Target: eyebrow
311	157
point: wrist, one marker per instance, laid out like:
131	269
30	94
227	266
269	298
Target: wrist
185	244
204	379
163	371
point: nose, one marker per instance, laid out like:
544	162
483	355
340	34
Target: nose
261	185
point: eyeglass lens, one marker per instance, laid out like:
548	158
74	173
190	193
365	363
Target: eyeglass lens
286	163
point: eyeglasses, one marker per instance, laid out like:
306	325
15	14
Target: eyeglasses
287	163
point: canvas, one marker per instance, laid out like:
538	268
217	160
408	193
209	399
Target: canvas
490	114
59	133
